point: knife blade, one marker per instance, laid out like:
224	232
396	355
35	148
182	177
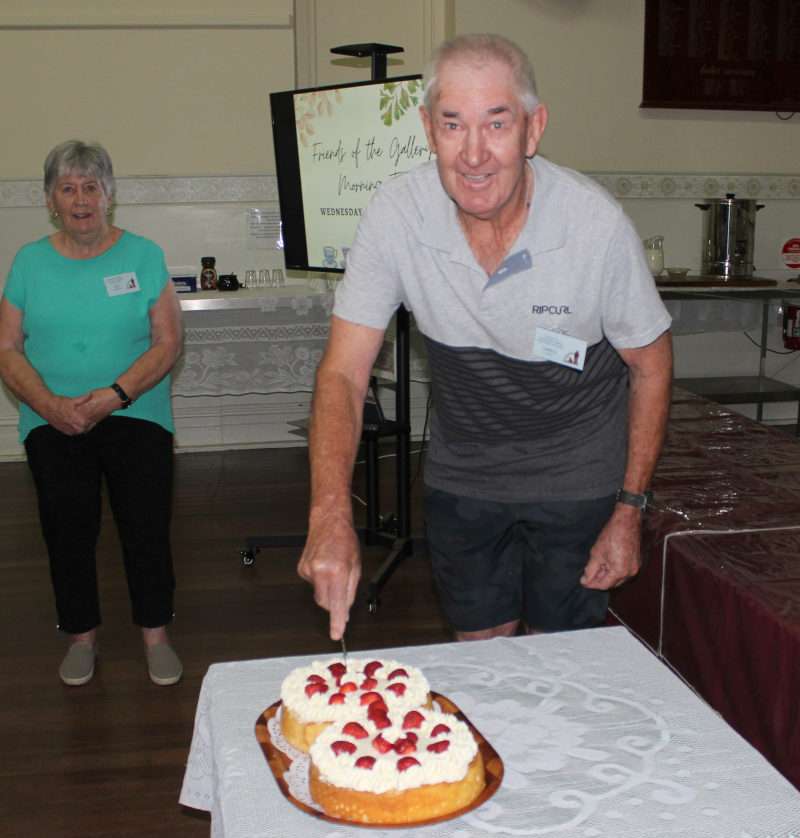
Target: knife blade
344	651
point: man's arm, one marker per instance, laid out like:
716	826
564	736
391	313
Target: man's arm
331	559
615	556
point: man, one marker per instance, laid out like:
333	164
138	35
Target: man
550	363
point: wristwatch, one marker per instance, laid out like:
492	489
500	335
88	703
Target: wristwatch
126	400
641	502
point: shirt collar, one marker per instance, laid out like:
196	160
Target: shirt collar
543	231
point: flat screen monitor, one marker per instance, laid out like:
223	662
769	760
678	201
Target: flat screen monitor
333	147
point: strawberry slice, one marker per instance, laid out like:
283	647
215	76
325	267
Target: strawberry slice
412	719
404	763
337	698
397	673
337	669
368	698
405	746
342	747
381	744
371	667
315	679
439	729
348	687
397	689
315	687
376	707
365	762
411	736
439	747
380	720
369	684
355	730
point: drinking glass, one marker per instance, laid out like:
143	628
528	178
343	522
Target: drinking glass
250	279
263	278
277	278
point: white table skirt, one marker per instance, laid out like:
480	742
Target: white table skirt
261	342
599	740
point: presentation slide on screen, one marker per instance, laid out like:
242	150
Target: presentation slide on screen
349	141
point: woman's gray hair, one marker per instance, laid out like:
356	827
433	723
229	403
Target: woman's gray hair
479	49
75	157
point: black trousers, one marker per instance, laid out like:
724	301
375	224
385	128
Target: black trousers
135	458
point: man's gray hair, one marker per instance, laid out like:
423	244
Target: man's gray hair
480	49
75	157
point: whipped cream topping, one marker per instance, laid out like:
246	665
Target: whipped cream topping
399	685
337	751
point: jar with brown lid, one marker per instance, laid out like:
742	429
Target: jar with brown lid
208	275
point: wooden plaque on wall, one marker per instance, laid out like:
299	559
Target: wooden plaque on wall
722	54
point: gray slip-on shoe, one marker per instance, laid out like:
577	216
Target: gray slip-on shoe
77	668
163	665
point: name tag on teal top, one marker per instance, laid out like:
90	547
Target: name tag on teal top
126	283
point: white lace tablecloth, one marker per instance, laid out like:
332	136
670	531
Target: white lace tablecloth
599	740
249	344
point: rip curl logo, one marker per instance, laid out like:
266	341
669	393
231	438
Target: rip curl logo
550	309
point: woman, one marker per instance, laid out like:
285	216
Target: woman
90	328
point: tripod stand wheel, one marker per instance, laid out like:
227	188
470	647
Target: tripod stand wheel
248	557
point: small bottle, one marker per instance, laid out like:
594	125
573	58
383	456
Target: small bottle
208	276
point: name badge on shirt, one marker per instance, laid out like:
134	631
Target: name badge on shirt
122	284
559	348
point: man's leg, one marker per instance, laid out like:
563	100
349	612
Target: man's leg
559	536
477	564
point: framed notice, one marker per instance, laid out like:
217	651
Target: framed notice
722	54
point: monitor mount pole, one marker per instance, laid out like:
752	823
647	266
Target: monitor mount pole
393	531
401	544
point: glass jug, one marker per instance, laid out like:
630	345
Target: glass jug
654	251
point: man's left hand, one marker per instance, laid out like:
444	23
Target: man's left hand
615	556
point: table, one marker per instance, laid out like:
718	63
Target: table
262	341
251	341
738	389
599	740
718	596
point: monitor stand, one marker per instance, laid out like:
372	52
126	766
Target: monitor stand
394	530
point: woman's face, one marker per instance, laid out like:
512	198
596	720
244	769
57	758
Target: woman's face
81	204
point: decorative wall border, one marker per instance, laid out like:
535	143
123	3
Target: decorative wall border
693	186
207	189
259	189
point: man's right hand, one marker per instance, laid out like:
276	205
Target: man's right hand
331	562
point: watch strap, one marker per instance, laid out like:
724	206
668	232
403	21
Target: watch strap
126	400
640	501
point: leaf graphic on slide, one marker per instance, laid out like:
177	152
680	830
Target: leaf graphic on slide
397	98
309	106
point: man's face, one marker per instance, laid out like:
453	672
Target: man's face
481	135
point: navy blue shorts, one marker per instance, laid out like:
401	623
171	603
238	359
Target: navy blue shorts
494	562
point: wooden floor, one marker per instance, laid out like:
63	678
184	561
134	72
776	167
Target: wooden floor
107	759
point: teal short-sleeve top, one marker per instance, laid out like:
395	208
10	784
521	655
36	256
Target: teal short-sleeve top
85	321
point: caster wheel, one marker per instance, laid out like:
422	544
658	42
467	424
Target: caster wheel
248	557
372	606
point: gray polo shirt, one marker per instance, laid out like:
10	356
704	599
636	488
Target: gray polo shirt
508	427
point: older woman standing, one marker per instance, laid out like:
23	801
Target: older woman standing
90	328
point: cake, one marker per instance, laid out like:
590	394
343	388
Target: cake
394	768
312	697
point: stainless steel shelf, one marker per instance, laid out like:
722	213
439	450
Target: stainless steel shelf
742	389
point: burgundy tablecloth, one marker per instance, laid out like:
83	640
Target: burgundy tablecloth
719	594
731	628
